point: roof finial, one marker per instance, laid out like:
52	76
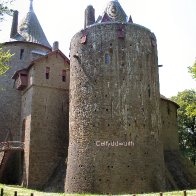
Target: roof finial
31	5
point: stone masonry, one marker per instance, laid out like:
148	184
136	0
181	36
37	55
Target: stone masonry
46	134
10	98
96	124
114	96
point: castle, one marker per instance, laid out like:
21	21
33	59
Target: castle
95	123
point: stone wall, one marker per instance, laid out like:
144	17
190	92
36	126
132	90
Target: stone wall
114	96
10	107
26	116
169	132
46	141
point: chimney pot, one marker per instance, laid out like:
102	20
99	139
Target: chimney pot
89	16
55	46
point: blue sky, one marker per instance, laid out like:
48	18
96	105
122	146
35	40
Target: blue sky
172	21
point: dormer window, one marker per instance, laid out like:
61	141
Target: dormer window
64	75
47	74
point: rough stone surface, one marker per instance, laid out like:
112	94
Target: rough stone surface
114	96
169	133
10	107
45	105
181	169
118	122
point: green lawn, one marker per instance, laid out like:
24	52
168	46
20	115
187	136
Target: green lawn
9	191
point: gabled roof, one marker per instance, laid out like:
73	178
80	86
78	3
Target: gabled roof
48	55
30	29
56	52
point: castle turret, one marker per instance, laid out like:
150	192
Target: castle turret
29	29
26	44
114	145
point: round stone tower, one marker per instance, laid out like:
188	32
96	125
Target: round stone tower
115	122
27	43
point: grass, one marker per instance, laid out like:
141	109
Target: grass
9	191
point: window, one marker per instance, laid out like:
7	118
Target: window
21	54
107	58
47	72
63	75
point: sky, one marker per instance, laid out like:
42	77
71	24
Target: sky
172	21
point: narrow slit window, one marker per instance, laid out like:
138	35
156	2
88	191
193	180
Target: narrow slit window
47	72
21	53
149	91
64	75
168	109
107	58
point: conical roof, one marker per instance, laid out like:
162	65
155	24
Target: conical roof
30	29
113	13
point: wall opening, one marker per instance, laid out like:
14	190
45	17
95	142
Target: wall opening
63	75
23	130
168	109
149	91
21	54
47	74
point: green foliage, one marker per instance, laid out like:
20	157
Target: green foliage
4	59
192	70
187	122
4	56
9	191
4	9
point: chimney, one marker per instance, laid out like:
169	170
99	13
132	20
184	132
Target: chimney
55	46
130	19
14	29
89	16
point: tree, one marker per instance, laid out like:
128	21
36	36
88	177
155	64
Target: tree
4	9
4	59
192	70
187	122
4	56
